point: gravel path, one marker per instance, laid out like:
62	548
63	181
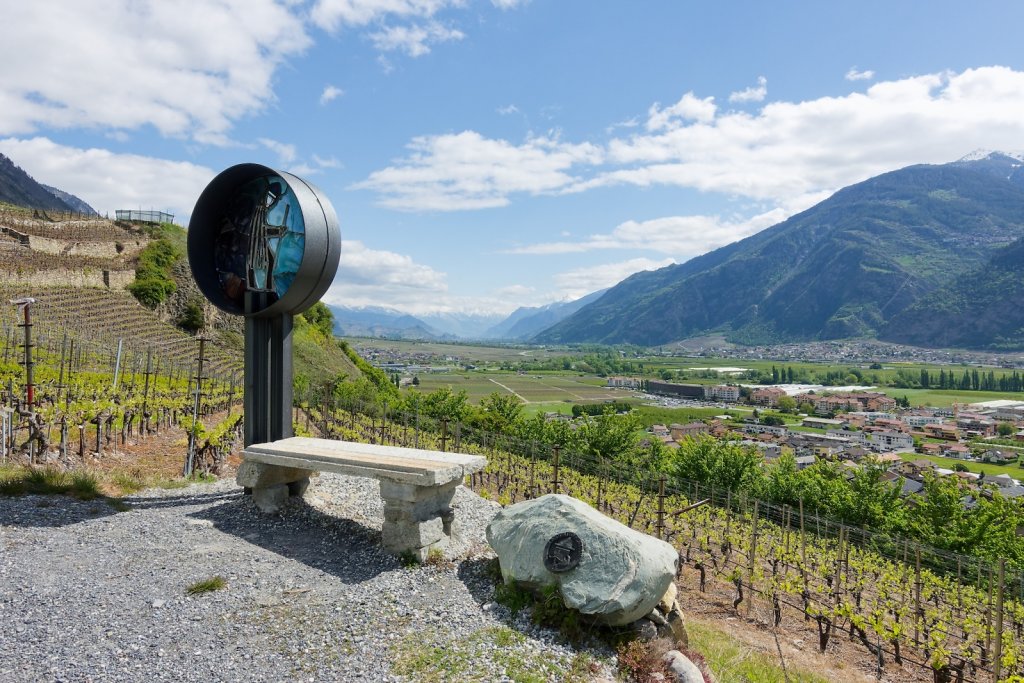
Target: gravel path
91	594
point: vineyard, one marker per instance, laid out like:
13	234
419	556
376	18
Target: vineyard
107	373
916	611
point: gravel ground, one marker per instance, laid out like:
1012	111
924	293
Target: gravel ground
91	594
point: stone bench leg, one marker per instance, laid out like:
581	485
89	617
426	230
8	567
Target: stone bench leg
417	519
272	485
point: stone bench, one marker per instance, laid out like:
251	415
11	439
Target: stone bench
417	485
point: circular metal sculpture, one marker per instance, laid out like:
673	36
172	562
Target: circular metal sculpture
562	552
263	242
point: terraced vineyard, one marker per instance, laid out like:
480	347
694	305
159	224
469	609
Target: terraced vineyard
107	316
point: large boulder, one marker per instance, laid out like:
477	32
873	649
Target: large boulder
621	574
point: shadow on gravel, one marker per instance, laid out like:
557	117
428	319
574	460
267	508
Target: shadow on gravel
182	500
52	510
341	547
477	576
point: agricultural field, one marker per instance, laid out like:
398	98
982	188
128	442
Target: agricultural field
465	353
547	389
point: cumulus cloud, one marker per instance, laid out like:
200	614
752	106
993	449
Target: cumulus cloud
854	75
331	15
680	236
285	152
330	94
108	181
469	171
377	277
582	281
188	69
785	151
792	148
752	94
414	40
688	108
382	278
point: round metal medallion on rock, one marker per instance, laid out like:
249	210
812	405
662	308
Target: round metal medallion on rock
563	552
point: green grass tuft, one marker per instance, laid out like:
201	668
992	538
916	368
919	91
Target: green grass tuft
22	481
214	583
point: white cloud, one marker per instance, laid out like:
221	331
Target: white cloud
328	162
375	277
108	181
582	281
382	278
468	171
789	149
752	94
333	14
330	94
508	4
854	75
285	152
680	236
688	108
510	109
189	69
414	40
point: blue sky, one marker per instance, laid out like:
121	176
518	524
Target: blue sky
485	155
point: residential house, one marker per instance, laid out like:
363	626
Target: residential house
890	461
764	429
805	461
769	396
854	436
692	429
958	451
890	441
916	467
976	425
722	392
931	448
918	421
942	431
1000	457
822	423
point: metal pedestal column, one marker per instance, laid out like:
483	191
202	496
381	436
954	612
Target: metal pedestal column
268	374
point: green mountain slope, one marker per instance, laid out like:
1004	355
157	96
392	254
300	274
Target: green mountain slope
18	188
981	309
843	268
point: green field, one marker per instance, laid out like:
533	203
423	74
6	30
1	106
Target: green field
1014	471
537	388
465	353
946	398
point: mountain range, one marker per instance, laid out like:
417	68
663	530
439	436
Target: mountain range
520	325
528	321
928	254
19	188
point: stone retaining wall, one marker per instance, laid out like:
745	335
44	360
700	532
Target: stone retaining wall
67	277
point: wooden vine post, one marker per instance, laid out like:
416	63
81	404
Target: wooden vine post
997	655
555	453
752	559
660	527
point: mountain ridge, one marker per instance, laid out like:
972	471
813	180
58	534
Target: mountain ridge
840	269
